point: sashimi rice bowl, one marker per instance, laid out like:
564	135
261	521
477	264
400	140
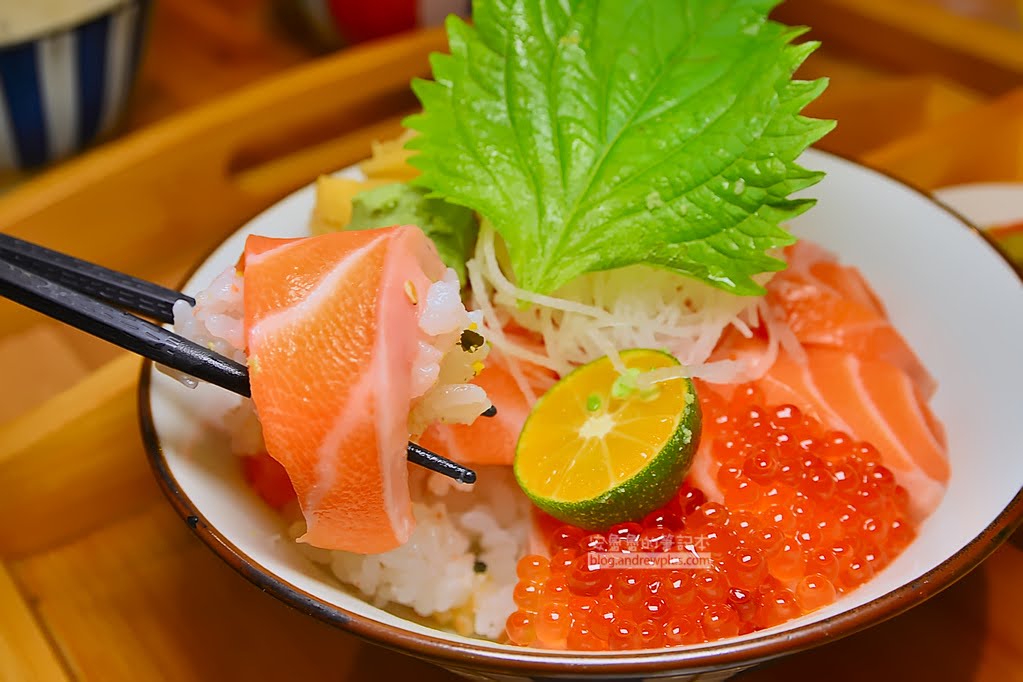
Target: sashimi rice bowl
726	426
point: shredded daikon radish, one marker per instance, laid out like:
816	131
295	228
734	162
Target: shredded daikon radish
601	313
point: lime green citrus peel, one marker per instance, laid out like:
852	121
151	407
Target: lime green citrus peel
592	456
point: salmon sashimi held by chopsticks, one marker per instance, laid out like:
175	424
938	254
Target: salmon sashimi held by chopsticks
342	346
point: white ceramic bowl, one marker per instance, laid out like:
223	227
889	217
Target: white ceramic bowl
956	300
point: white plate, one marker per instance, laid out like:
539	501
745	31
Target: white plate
956	300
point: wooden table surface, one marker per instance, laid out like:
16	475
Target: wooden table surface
100	580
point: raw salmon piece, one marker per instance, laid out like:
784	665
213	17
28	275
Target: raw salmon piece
332	336
874	401
860	375
490	441
268	479
830	305
704	469
541	528
870	399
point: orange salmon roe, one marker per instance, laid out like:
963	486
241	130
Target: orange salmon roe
808	514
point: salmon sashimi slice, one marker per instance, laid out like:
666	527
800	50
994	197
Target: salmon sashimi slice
268	479
704	468
541	528
871	400
491	441
332	331
831	305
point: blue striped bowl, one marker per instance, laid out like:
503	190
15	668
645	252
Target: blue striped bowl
66	87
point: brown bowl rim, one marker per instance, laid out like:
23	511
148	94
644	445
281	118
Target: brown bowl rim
527	661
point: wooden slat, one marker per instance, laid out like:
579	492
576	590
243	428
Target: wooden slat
73	463
882	111
36	381
983	144
295	166
25	654
914	36
176	183
142	599
1003	645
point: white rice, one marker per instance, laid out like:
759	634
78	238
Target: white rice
442	369
458	568
217	321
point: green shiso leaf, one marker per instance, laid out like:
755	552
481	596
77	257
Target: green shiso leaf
595	134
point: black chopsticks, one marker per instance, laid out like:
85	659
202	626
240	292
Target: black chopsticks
110	286
120	328
82	295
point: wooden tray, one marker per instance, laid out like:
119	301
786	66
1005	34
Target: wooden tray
99	580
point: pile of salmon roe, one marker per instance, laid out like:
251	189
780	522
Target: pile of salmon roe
808	514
